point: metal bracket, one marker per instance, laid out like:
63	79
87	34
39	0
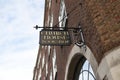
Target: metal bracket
76	31
80	38
64	28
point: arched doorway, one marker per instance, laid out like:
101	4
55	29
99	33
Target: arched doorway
79	65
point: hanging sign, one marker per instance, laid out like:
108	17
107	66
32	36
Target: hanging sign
51	37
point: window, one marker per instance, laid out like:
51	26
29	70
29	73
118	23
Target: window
62	15
86	72
39	60
39	76
43	61
50	1
54	63
51	75
46	68
49	50
51	21
50	16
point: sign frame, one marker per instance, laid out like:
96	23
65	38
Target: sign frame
61	32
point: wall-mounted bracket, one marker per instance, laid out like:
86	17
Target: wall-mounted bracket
77	34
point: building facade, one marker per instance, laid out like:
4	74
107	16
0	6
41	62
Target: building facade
95	40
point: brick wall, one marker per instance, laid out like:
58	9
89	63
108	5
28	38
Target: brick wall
106	20
100	22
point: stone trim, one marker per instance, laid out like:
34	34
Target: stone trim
88	55
109	68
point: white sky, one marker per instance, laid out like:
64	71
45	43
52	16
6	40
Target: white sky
19	41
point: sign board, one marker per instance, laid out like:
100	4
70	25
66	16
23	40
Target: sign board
57	37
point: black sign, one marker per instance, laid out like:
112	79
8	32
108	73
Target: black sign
54	37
